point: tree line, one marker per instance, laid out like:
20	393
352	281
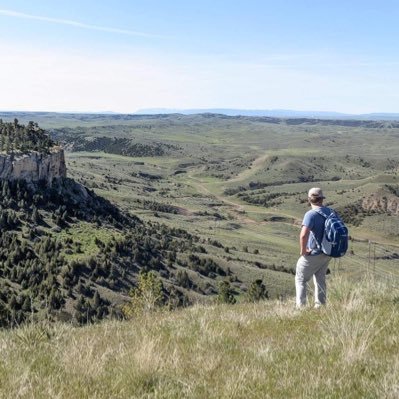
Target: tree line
23	138
43	274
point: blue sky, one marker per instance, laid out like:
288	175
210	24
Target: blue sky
126	55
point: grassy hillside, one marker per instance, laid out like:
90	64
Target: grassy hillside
265	350
218	198
255	198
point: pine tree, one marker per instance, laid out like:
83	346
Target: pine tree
96	300
225	294
257	291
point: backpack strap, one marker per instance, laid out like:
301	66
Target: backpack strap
321	213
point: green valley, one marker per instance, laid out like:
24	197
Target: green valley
203	200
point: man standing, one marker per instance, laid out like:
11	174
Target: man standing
313	262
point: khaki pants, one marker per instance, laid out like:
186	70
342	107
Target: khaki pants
306	267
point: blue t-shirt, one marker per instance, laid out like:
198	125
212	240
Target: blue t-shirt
315	223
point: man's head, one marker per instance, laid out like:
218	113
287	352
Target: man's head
315	196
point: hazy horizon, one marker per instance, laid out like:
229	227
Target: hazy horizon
280	113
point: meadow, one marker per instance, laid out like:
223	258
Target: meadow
240	183
222	200
243	182
263	350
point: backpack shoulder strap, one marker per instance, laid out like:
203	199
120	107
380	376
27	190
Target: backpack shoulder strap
320	212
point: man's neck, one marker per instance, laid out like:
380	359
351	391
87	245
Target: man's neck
316	206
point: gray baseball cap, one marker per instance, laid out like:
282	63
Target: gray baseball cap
316	192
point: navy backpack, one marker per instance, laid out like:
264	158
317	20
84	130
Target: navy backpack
335	238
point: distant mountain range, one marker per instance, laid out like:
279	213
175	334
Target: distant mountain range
271	113
275	113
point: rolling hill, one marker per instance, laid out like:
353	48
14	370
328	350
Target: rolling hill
201	200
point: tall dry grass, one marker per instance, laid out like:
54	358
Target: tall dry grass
348	349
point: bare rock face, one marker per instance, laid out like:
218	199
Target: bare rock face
387	203
33	166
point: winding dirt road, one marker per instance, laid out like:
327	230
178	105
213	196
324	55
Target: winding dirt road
238	211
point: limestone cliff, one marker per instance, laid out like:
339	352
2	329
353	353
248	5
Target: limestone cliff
33	166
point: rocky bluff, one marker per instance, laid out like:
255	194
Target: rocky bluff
385	200
377	203
33	166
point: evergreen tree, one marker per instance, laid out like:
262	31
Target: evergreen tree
96	300
257	291
225	294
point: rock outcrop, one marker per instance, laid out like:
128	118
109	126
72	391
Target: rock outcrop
33	166
386	203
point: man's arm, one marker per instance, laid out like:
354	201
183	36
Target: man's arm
303	240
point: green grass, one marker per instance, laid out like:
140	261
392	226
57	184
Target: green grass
217	153
86	235
198	191
265	350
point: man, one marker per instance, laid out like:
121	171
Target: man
313	262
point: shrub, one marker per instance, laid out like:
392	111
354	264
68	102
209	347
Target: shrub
146	297
226	293
257	291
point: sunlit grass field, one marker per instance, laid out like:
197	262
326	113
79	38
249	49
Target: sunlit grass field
271	231
264	350
213	156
